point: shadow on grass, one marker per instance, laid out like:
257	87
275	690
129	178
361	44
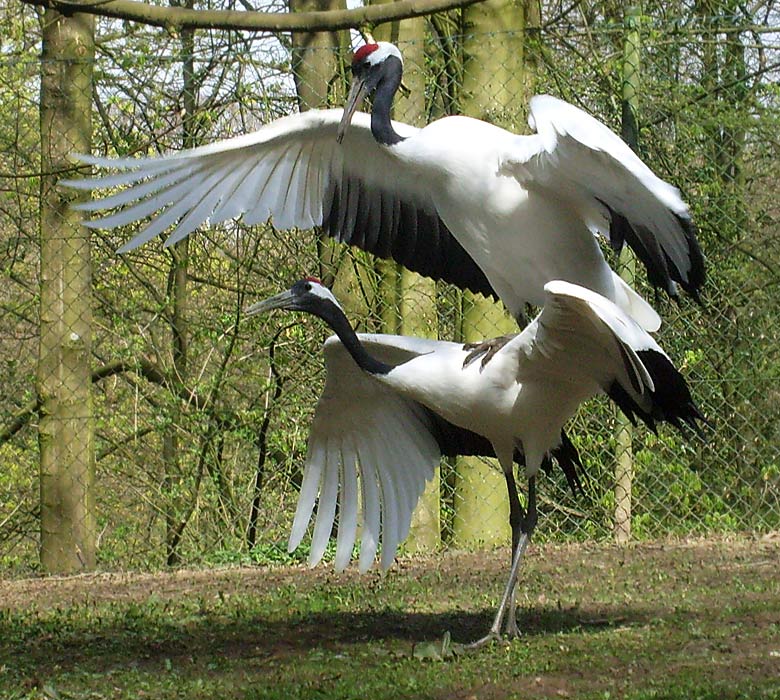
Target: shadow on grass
149	641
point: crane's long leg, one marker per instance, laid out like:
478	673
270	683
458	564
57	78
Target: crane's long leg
522	527
528	525
516	517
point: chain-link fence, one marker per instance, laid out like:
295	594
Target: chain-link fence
200	419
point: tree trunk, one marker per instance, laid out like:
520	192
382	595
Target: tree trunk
496	82
171	450
495	88
419	317
316	60
481	504
734	95
66	428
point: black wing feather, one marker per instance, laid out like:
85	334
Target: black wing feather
382	223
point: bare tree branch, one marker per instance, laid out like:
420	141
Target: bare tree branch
328	20
19	420
141	366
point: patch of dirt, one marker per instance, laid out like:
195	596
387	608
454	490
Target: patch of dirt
705	560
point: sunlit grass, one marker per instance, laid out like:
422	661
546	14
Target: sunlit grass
651	621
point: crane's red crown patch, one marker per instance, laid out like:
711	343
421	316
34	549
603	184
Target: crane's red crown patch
363	51
316	280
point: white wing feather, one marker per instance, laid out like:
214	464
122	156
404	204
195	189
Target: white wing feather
367	440
283	170
348	506
326	506
372	508
312	478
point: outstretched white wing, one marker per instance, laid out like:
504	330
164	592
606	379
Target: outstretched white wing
577	157
293	172
370	451
283	170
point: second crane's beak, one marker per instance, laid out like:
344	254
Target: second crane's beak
285	300
357	93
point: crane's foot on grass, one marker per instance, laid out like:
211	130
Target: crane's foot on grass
484	349
511	633
490	638
445	648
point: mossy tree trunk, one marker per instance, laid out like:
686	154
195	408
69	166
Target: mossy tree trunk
66	426
481	507
495	88
725	82
316	59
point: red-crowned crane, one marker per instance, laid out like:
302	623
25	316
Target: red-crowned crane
390	402
459	200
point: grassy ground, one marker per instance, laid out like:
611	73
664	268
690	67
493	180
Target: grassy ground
662	620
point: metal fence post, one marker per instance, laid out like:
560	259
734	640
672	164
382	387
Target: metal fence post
624	468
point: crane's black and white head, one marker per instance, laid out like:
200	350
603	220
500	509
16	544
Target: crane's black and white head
308	295
311	296
372	65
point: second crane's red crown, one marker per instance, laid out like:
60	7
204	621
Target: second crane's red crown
363	51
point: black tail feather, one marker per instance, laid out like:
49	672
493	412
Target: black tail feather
568	458
662	272
671	399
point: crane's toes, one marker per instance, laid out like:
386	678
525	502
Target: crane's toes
485	349
477	351
489	638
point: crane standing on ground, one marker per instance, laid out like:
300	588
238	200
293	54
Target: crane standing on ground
391	404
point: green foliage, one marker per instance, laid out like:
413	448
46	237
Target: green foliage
708	120
270	554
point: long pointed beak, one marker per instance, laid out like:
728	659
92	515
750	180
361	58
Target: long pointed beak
357	93
279	301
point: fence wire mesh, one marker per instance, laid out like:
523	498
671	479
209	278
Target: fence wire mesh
201	419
